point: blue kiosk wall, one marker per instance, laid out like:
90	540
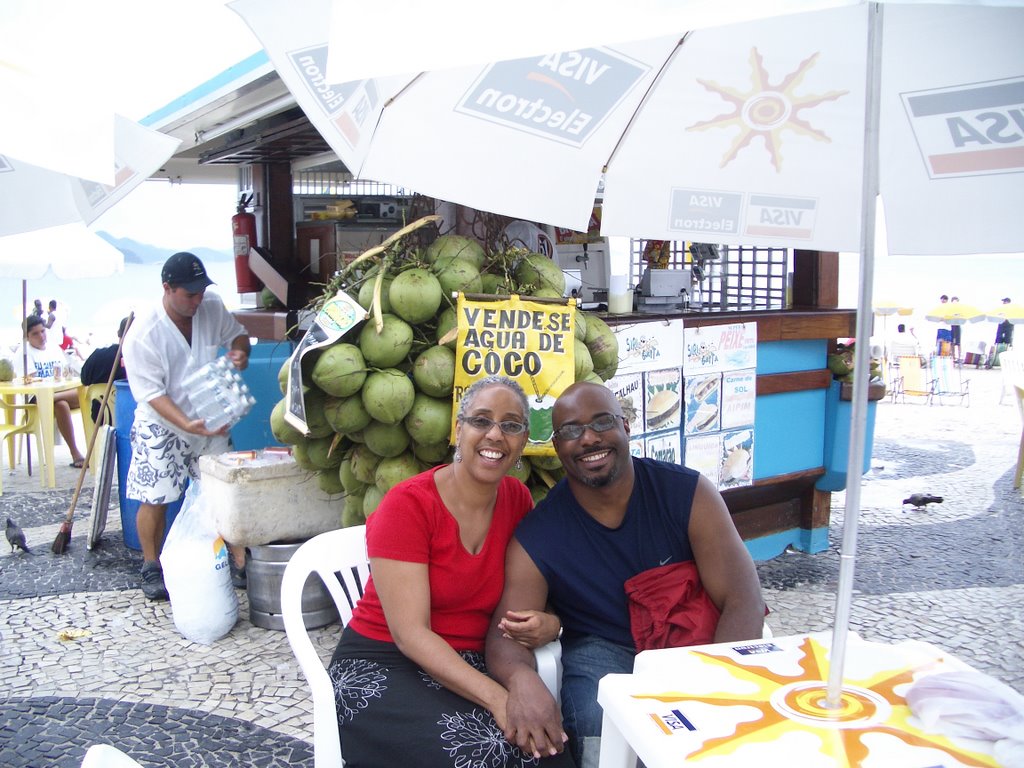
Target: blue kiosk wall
253	432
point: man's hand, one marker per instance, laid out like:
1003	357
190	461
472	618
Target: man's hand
534	722
240	358
530	628
198	427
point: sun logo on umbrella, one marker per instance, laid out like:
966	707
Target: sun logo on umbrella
796	703
766	109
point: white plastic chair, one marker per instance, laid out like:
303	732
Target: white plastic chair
106	756
339	559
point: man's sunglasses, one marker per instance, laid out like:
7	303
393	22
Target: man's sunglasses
575	431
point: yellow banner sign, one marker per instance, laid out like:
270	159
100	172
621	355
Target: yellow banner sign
527	341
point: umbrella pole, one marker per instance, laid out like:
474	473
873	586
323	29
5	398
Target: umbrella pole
859	405
24	362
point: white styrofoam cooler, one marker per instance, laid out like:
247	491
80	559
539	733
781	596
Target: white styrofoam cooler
257	499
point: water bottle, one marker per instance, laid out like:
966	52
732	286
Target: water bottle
218	394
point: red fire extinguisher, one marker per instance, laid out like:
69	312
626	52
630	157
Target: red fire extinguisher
243	231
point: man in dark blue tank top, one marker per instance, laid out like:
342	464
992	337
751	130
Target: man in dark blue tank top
611	518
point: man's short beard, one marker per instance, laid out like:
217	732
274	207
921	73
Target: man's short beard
602	481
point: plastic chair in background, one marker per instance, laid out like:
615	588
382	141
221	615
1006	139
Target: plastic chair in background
913	380
12	427
106	416
1011	364
339	559
948	380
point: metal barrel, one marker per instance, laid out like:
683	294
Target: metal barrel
264	569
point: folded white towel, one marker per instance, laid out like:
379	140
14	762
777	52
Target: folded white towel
972	705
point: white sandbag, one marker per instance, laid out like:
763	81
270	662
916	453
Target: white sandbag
197	573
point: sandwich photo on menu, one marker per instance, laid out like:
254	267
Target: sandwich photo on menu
662	399
703	404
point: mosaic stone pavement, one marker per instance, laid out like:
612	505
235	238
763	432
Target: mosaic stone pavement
951	574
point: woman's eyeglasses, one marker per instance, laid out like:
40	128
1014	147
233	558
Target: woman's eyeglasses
575	431
484	425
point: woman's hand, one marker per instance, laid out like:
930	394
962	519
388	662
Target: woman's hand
531	629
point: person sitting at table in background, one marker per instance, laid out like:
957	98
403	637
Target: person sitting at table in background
408	673
612	521
97	367
42	358
161	349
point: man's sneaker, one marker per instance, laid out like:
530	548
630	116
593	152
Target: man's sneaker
153	581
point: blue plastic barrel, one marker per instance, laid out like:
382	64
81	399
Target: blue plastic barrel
124	417
838	415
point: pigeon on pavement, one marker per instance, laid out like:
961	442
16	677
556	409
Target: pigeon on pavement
922	500
15	536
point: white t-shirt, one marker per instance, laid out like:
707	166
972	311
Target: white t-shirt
158	359
40	361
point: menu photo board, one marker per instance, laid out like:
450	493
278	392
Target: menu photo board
637	447
703	408
737	458
717	348
649	346
629	391
665	446
739	392
663	392
704	454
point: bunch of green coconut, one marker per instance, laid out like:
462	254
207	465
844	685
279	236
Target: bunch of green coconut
379	401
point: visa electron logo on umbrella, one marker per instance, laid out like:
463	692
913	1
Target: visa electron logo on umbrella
347	105
561	96
969	130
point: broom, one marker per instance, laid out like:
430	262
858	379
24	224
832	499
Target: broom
60	544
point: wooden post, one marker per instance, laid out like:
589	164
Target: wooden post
816	279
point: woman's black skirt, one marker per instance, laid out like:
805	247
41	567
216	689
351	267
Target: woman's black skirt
392	713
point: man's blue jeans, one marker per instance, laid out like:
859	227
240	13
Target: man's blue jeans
585	660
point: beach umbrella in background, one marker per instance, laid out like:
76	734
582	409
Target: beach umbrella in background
49	122
781	131
64	161
36	197
43	222
1012	313
886	308
954	313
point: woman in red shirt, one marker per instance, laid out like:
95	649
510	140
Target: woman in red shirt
408	673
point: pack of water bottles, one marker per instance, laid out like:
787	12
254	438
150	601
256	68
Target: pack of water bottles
218	394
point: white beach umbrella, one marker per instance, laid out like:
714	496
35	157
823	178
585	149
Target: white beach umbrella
779	131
